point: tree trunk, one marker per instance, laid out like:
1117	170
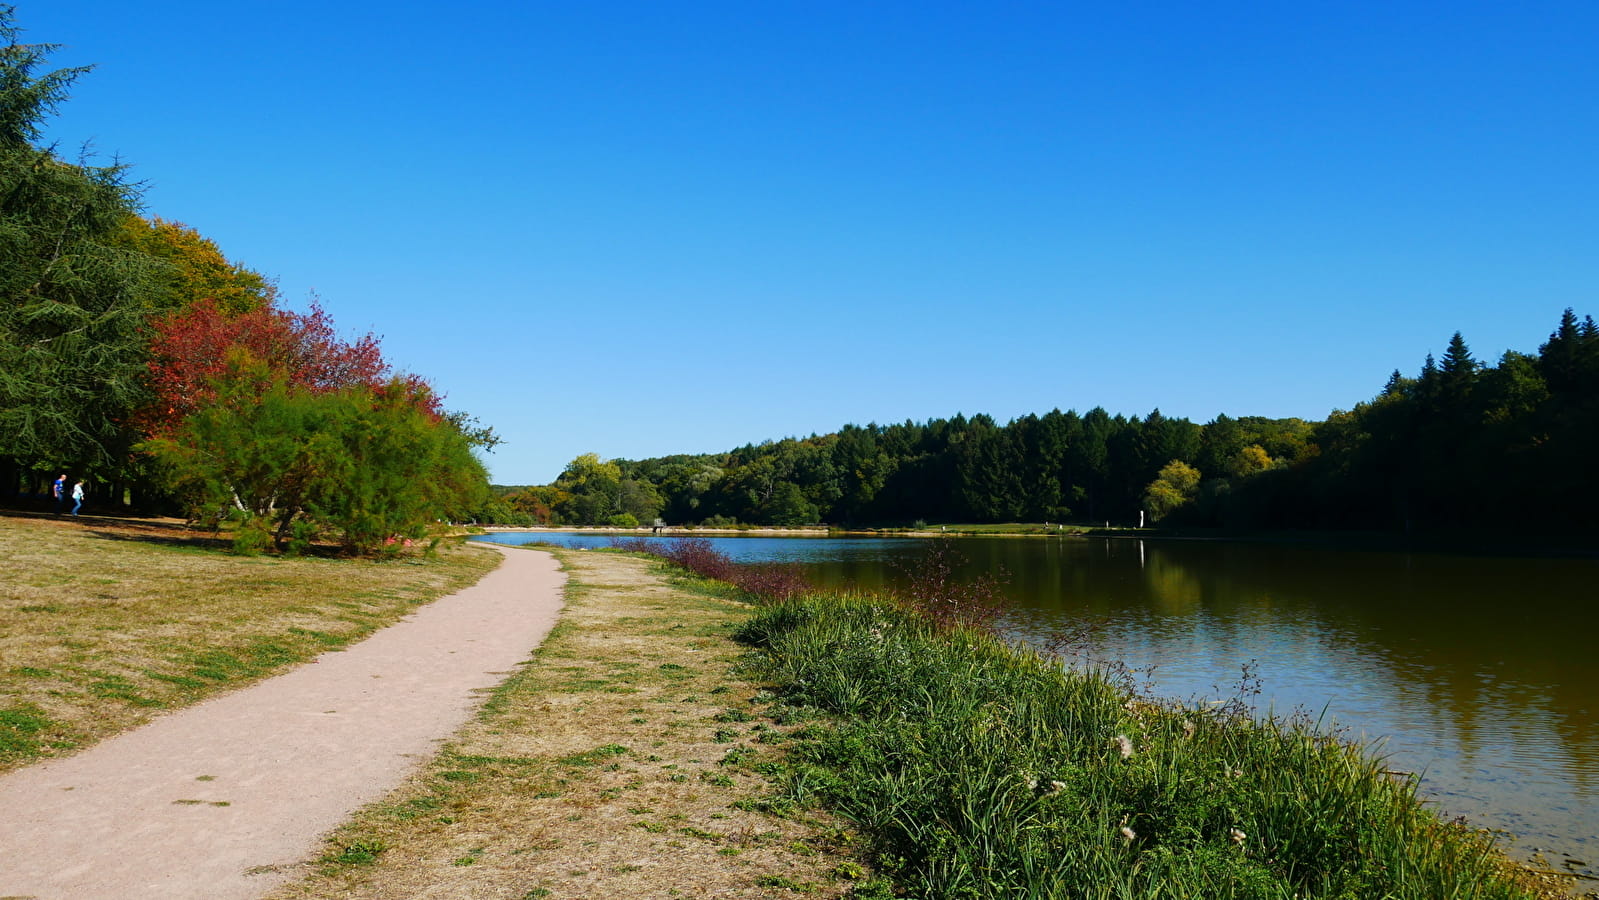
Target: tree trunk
281	539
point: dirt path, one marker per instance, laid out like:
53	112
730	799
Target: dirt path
628	759
220	800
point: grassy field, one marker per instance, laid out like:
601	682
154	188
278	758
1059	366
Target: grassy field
624	760
104	623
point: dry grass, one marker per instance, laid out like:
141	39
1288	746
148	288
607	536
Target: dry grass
104	623
619	763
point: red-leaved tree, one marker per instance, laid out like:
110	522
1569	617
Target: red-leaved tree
191	347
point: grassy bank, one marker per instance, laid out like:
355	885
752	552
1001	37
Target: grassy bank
104	623
985	771
623	760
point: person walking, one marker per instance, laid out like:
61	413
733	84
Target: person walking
58	490
77	496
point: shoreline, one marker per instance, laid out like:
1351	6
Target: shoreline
1473	544
645	531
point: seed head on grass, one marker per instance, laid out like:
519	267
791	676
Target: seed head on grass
1124	744
950	602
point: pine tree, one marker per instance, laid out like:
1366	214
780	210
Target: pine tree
1560	357
1458	363
25	101
71	302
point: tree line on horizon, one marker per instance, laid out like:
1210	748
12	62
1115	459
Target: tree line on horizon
1460	445
136	356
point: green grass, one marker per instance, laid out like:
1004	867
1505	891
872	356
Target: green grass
20	727
985	771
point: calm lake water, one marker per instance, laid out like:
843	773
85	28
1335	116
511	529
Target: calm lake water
1478	672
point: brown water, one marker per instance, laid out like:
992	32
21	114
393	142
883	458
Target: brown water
1478	672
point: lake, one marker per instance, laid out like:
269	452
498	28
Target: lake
1478	672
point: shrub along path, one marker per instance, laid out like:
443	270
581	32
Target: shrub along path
220	800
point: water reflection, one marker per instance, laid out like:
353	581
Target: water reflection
1476	671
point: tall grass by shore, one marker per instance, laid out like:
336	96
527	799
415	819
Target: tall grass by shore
985	770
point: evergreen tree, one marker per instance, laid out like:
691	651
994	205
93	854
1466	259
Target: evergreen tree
72	302
1569	360
25	99
1458	365
1457	378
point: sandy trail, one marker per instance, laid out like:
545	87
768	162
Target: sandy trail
222	799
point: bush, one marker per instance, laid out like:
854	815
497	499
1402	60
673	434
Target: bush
623	520
766	581
367	462
302	534
251	537
771	581
698	556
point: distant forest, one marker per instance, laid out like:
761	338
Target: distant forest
1459	445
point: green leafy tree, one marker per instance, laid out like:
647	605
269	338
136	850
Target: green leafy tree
591	491
639	499
398	467
1249	461
369	465
192	268
260	451
1177	484
788	506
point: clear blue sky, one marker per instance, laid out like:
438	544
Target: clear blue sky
645	228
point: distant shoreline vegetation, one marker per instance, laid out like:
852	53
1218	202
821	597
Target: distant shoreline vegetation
1462	445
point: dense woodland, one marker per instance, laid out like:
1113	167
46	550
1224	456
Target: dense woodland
135	357
1459	445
